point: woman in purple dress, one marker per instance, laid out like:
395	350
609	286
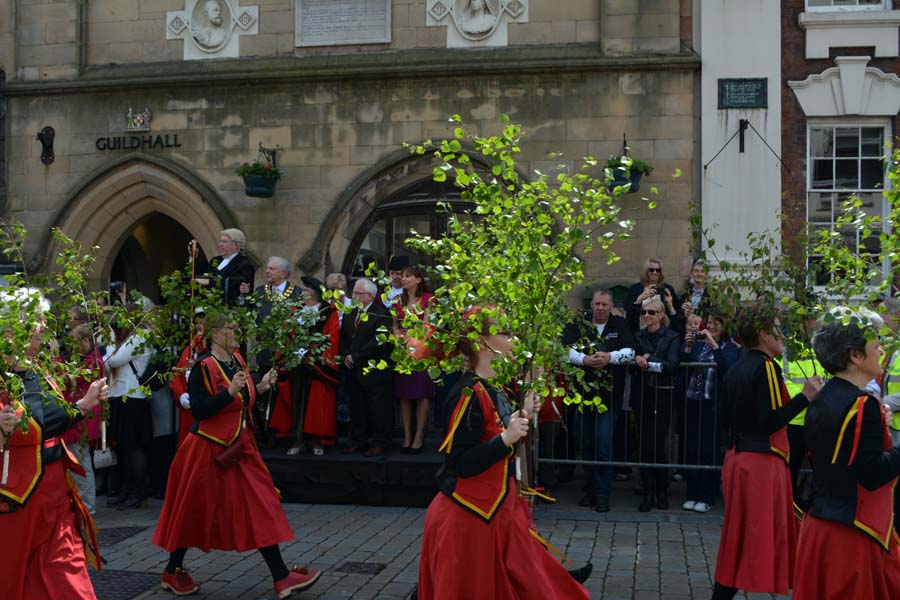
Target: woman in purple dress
414	390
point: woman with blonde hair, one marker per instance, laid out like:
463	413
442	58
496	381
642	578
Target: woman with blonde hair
652	283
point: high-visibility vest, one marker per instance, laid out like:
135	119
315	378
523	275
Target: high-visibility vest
801	369
891	385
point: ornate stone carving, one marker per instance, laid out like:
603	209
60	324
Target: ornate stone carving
138	121
476	22
850	88
211	28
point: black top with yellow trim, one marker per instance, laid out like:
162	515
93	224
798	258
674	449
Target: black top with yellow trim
29	451
760	406
477	467
218	415
855	467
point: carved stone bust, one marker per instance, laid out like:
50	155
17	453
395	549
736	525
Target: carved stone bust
478	17
211	24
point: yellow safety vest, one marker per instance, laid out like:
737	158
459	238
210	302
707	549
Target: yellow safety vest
891	385
801	369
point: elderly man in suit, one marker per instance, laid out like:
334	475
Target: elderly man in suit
371	404
276	290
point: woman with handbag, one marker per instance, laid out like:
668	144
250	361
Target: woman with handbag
220	494
45	527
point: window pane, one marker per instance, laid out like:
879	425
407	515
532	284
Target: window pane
872	141
871	244
848	234
823	174
818	2
403	230
846	141
872	174
846	174
817	271
820	208
872	203
373	249
821	142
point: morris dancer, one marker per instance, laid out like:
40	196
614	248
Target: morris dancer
855	469
759	536
44	526
220	494
477	544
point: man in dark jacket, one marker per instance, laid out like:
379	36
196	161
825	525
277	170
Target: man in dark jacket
600	347
371	402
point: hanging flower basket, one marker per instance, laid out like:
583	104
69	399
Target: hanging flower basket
626	171
259	178
259	186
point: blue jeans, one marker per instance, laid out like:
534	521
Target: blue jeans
597	441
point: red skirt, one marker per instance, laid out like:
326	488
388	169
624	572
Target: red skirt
837	562
759	535
464	557
43	555
210	507
320	419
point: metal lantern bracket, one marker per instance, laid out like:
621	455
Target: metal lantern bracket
267	154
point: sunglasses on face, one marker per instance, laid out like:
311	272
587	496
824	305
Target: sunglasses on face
654	270
648	311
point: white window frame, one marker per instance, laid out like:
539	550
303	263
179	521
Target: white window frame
885	124
884	5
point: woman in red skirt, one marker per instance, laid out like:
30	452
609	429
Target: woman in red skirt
476	543
759	535
44	526
847	546
220	494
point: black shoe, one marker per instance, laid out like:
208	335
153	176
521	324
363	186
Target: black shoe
587	501
116	500
414	450
662	501
132	502
602	505
646	504
581	575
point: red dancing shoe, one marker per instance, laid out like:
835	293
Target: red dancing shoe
179	583
297	580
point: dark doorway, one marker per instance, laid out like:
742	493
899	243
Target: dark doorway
157	246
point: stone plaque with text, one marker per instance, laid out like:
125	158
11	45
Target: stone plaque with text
340	22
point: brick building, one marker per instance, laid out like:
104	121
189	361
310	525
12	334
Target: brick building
336	88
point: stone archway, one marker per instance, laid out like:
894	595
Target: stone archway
107	206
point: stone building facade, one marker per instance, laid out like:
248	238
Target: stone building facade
222	77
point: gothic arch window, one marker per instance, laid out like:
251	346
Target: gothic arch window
384	233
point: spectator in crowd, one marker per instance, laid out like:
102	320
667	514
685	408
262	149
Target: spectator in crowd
315	403
42	522
890	374
338	282
477	543
704	342
855	469
696	297
415	390
118	293
652	284
179	383
599	346
231	269
656	355
371	409
219	469
278	401
756	481
81	438
395	272
130	419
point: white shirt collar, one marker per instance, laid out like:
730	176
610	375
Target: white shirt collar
225	262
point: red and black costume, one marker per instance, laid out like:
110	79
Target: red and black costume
47	533
317	380
855	469
759	535
179	384
209	506
477	544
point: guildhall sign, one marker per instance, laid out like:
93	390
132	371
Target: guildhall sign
136	123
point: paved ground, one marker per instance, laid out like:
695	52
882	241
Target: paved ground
372	552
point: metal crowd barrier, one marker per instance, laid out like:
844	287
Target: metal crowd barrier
660	425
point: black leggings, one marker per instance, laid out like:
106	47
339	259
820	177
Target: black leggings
271	554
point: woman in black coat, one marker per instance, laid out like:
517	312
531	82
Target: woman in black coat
657	350
231	269
652	284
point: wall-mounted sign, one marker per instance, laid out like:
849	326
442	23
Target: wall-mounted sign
138	142
743	93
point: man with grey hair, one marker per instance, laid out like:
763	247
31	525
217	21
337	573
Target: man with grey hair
277	401
370	394
600	343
